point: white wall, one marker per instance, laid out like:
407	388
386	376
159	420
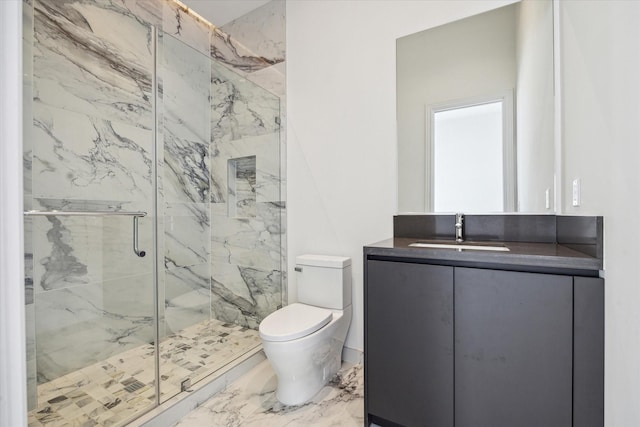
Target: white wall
600	42
341	159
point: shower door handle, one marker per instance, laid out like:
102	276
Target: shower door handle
135	237
135	216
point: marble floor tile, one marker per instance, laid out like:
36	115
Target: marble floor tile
114	391
251	401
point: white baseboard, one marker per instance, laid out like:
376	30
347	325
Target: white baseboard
352	355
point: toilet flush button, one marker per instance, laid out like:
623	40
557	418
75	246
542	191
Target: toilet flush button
298	269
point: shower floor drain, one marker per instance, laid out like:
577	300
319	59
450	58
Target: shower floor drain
132	385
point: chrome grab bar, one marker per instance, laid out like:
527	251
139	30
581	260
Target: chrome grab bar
135	215
84	213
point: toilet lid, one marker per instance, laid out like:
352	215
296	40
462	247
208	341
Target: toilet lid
293	321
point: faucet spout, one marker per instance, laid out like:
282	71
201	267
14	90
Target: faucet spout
459	227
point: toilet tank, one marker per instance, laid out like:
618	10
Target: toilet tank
324	281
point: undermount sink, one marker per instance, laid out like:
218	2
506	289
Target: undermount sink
461	246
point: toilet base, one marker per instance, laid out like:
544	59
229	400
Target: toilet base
303	366
297	390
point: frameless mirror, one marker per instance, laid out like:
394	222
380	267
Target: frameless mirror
475	113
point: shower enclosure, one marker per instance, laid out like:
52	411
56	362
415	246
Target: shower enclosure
153	208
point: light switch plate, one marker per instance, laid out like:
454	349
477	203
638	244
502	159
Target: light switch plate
576	192
547	202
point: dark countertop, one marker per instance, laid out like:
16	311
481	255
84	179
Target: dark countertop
532	256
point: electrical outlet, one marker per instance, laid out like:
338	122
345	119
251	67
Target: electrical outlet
576	192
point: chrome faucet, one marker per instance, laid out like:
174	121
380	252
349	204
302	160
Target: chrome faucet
459	228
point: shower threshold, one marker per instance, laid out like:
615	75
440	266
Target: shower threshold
121	388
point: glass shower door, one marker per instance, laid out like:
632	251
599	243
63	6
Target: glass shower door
221	214
89	184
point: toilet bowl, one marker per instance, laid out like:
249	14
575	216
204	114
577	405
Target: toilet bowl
303	341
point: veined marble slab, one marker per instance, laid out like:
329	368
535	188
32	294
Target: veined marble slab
77	250
261	31
186	170
187	295
186	77
30	340
273	79
244	295
192	31
81	64
251	401
186	123
240	108
94	316
27	94
250	242
187	230
226	50
67	252
83	157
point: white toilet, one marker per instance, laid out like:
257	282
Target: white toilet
303	341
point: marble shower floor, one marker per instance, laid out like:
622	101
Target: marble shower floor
117	390
251	401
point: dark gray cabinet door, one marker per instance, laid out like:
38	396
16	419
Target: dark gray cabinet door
588	352
409	343
513	341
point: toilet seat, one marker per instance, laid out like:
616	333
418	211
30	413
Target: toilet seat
294	321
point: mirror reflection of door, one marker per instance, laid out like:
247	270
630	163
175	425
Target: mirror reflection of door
470	145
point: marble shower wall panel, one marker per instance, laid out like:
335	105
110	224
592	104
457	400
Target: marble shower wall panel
186	170
89	317
184	72
76	250
187	296
32	369
246	265
186	130
81	64
67	252
254	41
186	75
186	27
244	295
248	242
83	157
260	32
273	79
187	229
240	108
27	95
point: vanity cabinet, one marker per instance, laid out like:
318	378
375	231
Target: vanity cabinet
453	345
